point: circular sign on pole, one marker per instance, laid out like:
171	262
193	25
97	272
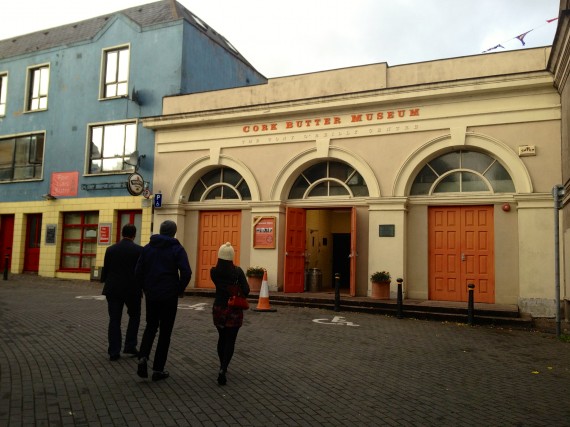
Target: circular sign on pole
135	184
146	193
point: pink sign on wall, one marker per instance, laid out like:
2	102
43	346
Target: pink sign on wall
64	184
104	234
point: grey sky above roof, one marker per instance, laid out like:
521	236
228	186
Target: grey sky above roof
287	37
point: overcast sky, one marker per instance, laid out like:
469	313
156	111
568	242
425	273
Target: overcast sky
286	37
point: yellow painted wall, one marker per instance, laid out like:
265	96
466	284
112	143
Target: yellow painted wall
52	210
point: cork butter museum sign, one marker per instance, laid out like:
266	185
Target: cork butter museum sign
320	122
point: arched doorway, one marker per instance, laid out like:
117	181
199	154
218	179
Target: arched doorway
216	226
322	239
461	237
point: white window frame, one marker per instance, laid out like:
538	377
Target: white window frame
32	163
43	88
118	79
3	93
126	168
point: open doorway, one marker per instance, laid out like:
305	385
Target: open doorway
341	260
328	245
320	243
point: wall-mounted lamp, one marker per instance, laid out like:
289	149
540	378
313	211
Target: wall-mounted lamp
135	159
506	207
48	196
135	97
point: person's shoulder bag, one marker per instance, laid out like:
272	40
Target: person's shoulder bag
237	300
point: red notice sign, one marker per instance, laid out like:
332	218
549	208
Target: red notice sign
104	234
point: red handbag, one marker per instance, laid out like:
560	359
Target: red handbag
238	301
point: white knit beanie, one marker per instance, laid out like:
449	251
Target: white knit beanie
226	252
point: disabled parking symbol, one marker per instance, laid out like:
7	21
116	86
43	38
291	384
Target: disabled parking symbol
336	320
198	307
95	297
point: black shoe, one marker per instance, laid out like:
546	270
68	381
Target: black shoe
132	351
114	357
222	378
142	370
160	375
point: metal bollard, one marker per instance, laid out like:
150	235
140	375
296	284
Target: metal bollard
6	266
336	292
400	304
470	306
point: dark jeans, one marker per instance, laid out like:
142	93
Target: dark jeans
159	315
226	345
115	307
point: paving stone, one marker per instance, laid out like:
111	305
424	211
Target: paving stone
287	369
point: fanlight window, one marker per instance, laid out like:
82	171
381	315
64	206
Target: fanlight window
462	172
329	179
220	184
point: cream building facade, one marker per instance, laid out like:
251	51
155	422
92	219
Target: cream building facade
559	65
439	172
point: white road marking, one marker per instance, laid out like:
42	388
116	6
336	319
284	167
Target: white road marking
336	320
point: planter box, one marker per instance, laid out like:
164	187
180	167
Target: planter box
380	290
254	283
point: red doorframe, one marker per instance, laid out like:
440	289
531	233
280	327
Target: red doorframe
33	242
353	253
129	217
6	240
295	232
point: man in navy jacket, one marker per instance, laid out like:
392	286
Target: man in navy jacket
121	288
164	271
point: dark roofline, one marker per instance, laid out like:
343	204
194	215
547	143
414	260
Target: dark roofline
146	15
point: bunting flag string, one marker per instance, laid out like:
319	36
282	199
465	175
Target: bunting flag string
520	37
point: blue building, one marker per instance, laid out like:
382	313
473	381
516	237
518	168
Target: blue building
75	161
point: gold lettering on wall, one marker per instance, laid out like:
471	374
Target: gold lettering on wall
328	134
321	122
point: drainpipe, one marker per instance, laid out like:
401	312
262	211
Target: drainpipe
558	193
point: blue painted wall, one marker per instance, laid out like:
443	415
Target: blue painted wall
165	60
208	66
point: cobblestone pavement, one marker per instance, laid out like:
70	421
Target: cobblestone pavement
292	367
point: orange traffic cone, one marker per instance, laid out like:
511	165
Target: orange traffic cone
263	303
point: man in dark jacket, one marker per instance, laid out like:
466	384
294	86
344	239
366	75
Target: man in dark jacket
121	288
165	272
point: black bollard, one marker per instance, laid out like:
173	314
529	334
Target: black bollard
6	266
336	292
400	306
470	306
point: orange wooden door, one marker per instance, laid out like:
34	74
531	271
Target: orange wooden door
33	241
295	231
461	243
215	229
353	253
478	251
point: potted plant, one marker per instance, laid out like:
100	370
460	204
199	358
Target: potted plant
255	277
380	284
